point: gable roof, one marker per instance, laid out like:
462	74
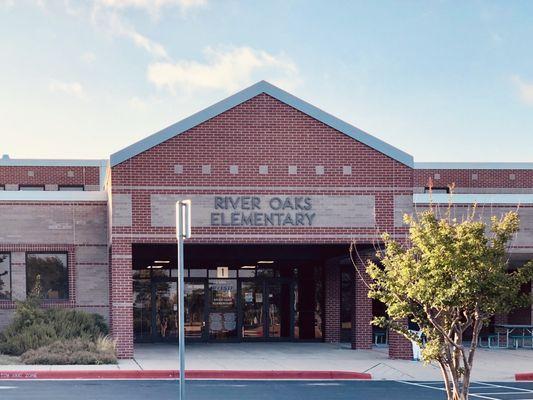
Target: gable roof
247	94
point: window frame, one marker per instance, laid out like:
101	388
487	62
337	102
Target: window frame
66	253
10	275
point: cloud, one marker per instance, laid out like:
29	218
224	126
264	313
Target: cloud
88	57
226	70
115	24
525	89
154	6
137	104
71	88
7	3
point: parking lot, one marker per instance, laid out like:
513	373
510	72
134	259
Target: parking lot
486	390
257	390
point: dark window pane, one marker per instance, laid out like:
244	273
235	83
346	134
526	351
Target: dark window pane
142	309
52	268
141	274
5	276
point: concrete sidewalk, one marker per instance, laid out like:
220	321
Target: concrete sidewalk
491	365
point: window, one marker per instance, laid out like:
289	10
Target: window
2	187
52	268
5	276
427	189
71	188
31	187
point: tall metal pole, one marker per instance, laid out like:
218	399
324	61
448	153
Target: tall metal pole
183	231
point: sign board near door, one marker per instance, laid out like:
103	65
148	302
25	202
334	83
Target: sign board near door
286	211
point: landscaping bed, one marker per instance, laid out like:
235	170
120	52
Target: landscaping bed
55	336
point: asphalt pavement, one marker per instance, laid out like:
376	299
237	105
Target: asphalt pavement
252	390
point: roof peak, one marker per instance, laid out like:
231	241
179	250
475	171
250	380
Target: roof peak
246	94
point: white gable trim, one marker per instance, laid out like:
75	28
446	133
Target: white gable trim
473	165
247	94
477	198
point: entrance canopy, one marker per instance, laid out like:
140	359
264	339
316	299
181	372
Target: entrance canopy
145	255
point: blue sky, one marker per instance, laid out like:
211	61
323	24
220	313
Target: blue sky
441	80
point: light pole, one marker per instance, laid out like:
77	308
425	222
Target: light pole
183	231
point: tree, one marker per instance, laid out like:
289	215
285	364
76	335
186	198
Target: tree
450	280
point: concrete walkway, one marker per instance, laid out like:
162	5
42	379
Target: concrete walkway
491	365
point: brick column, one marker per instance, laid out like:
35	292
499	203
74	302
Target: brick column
399	347
501	319
121	297
332	303
361	336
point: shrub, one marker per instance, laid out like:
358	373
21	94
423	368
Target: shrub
34	327
74	351
76	324
15	341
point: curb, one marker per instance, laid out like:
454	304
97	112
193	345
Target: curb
525	376
192	374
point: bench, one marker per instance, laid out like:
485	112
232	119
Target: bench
380	337
492	340
515	339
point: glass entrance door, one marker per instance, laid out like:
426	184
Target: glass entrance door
266	309
252	303
165	308
279	306
222	309
195	310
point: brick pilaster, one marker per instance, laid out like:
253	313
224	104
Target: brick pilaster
122	298
362	308
399	346
332	306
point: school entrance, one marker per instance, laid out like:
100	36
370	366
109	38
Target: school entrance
232	292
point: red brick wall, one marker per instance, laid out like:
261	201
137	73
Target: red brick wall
486	178
399	346
49	175
261	131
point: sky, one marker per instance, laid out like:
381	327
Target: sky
441	80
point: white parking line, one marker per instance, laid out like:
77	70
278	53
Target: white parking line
482	385
422	385
493	393
519	389
323	384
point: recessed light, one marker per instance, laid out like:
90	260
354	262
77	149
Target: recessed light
162	262
265	262
248	267
154	267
